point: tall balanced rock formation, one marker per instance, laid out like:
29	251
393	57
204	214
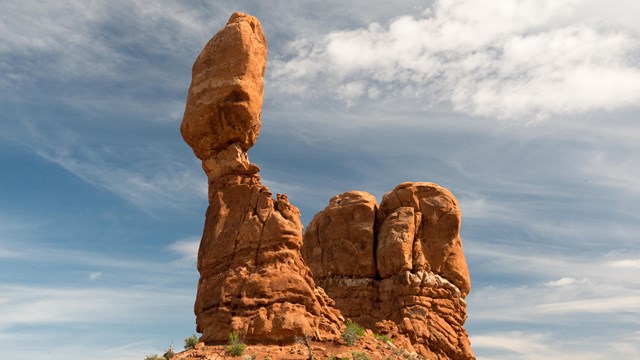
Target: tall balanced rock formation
252	277
397	269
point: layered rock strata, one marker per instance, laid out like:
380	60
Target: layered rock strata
252	277
398	268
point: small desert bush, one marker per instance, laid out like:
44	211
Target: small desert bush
353	333
169	353
153	357
333	357
235	346
383	338
190	342
357	355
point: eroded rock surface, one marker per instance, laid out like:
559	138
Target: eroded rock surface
398	268
252	277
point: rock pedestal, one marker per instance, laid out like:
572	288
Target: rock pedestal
252	277
398	268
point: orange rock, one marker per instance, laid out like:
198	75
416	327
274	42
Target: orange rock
252	277
395	242
438	234
416	291
225	97
340	239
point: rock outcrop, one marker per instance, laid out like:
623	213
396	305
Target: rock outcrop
252	277
398	268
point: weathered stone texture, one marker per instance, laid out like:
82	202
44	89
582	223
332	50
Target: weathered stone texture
420	278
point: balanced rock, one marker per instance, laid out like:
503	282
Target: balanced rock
252	277
401	269
225	96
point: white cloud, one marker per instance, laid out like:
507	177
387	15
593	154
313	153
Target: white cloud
350	91
564	281
187	249
54	305
9	254
31	312
610	304
74	38
148	191
625	263
610	295
14	232
532	345
518	342
95	275
617	167
511	59
158	181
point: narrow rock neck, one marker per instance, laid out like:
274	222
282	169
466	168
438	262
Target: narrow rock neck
228	167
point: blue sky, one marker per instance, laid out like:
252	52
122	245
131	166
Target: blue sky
527	110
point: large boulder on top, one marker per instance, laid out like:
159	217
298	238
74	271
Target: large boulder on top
225	97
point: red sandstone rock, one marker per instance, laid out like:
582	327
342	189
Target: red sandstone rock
420	279
225	96
252	276
340	238
438	234
395	242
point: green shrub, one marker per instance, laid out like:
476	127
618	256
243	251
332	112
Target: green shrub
333	357
235	346
191	342
383	338
357	355
153	357
169	353
353	333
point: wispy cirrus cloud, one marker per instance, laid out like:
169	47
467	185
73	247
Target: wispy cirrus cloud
167	183
89	40
565	281
612	304
72	310
552	293
141	293
523	345
187	250
144	175
625	263
51	305
511	59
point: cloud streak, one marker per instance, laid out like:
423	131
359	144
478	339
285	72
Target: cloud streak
520	345
187	250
